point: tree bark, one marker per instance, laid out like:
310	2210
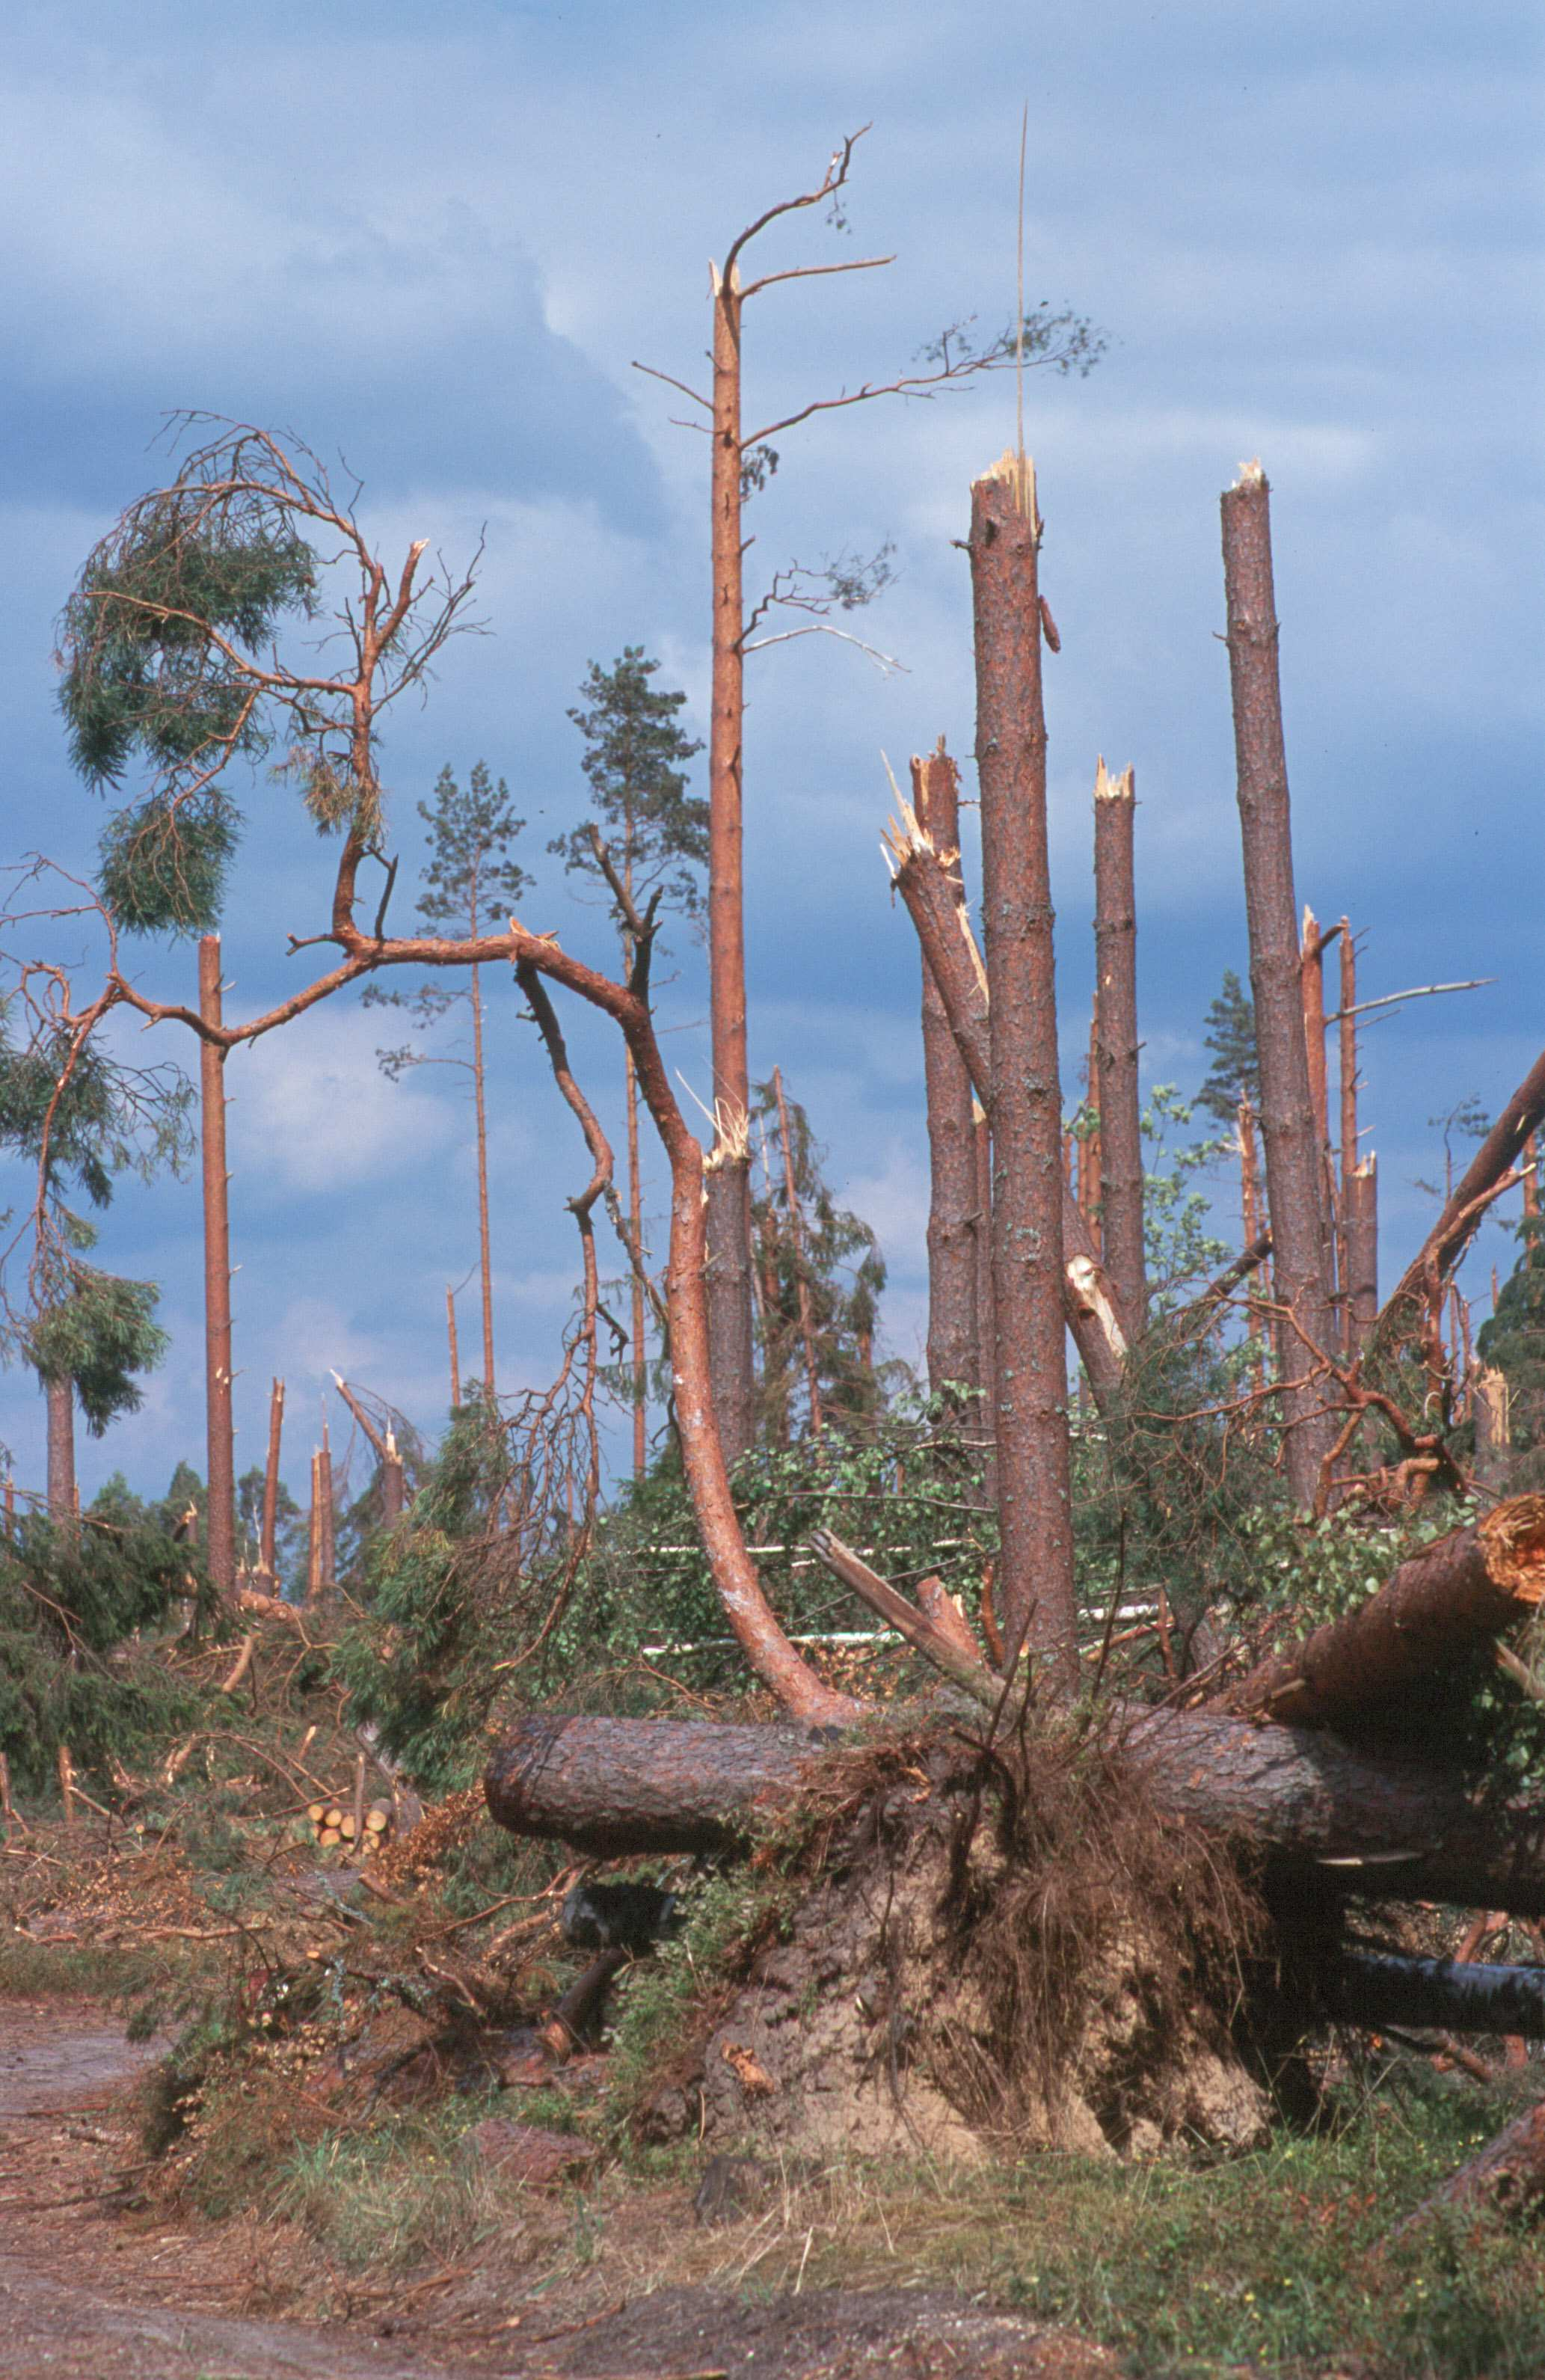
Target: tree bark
635	1224
1346	1037
383	1445
1531	1175
1312	969
60	1395
220	1536
1374	1987
1360	1207
612	1786
485	1252
266	1558
729	1319
987	1332
1494	1434
326	1520
1250	1210
1287	1120
1091	1155
1450	1235
1117	1098
954	1219
1100	1330
455	1360
1034	1496
1509	2172
1438	1607
314	1535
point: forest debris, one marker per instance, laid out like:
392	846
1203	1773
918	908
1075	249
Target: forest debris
1508	2174
528	2152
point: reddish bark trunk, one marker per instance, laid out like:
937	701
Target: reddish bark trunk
1532	1174
1091	1155
1090	1305
1348	1057
1360	1207
1034	1477
271	1480
1438	1607
326	1517
314	1536
635	1225
1117	1100
60	1395
615	1786
1311	961
1450	1235
484	1251
729	1242
957	1237
220	1539
986	1331
1287	1119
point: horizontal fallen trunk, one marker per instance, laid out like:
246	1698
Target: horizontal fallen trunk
1508	2174
612	1787
1438	1607
1376	1988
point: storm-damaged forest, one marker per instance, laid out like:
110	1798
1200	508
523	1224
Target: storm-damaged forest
710	1845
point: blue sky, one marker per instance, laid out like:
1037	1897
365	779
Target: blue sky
435	246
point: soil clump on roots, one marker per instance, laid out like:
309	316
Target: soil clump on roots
988	1948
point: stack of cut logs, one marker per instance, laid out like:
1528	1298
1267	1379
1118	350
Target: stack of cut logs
335	1826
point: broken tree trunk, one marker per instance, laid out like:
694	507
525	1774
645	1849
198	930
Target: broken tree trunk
220	1531
612	1786
986	1336
802	1275
1287	1119
1451	1235
1347	1029
1438	1607
1508	2174
954	1213
1034	1493
1116	1001
1360	1207
1377	1987
1092	1308
60	1396
266	1557
451	1339
383	1445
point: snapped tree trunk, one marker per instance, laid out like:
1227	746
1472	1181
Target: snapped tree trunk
612	1786
60	1395
485	1250
1090	1183
729	1319
451	1339
986	1331
635	1225
266	1558
1034	1497
1092	1309
220	1539
956	1225
1347	1043
1360	1206
796	1242
326	1519
1448	1598
1451	1235
1117	1017
1313	947
1287	1122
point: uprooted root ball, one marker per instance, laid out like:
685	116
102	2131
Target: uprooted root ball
1006	1946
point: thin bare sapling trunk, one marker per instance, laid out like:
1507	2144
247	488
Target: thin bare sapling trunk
326	1517
1091	1183
1313	948
1034	1497
453	1349
221	1540
1117	1098
957	1229
1287	1120
266	1556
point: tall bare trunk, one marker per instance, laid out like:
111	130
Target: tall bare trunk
1251	1219
635	1224
266	1561
1311	961
455	1359
393	1487
1091	1155
314	1535
796	1242
221	1540
1361	1202
326	1518
485	1253
728	1282
1287	1120
61	1449
1347	1043
986	1328
956	1234
1034	1487
1532	1174
1116	1023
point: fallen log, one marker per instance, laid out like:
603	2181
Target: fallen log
1377	1987
1509	2174
612	1787
1437	1609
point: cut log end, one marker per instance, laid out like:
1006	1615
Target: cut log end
1514	1537
1250	476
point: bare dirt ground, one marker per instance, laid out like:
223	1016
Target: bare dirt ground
94	2286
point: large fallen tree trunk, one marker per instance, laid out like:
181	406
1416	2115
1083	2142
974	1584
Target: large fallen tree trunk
1376	1988
615	1786
1438	1607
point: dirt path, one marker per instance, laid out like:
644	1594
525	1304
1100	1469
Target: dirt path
88	2294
